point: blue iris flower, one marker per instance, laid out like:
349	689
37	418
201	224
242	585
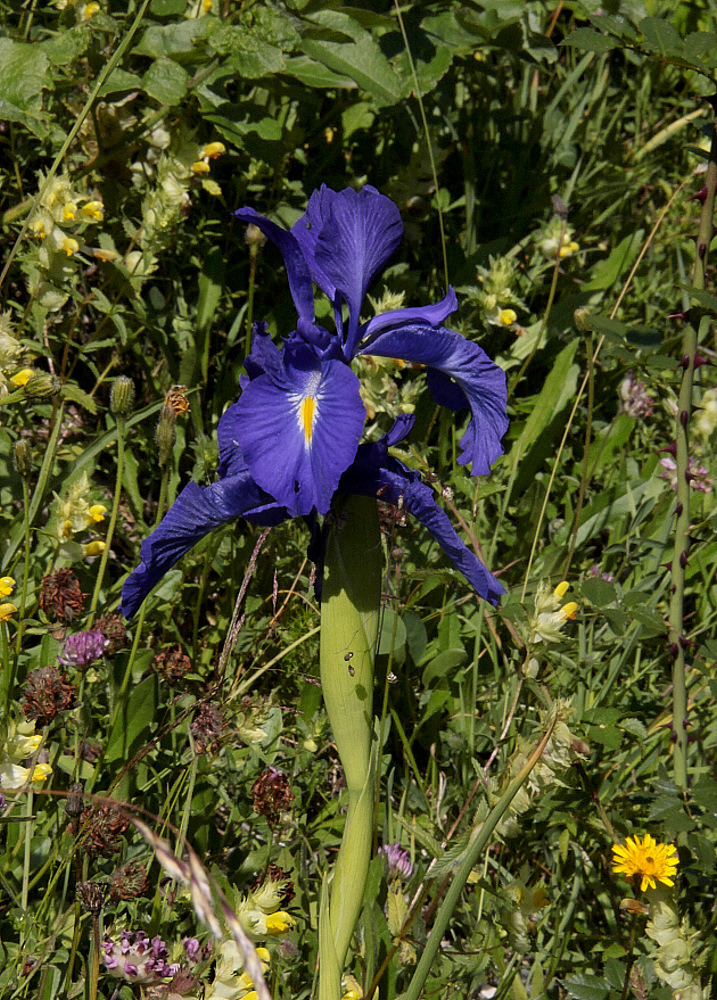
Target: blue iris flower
292	440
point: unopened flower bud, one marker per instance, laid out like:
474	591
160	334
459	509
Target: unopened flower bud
122	396
166	434
582	319
42	386
254	237
23	458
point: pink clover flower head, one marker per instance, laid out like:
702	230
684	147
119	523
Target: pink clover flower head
399	864
136	959
635	400
83	648
698	475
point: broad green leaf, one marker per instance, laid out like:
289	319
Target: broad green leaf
361	59
120	81
661	36
66	46
558	388
315	74
599	592
132	727
175	40
607	272
589	40
23	77
392	635
168	8
166	81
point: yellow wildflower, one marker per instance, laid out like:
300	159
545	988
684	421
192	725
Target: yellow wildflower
568	249
70	246
96	513
550	616
41	227
95	548
69	211
200	167
212	150
88	10
279	923
7	610
22	377
646	858
7	585
207	6
94	210
508	316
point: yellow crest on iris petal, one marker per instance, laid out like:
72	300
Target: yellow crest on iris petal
308	412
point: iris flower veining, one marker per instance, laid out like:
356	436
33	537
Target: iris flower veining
292	440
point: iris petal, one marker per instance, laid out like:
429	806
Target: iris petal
297	270
434	315
196	511
376	473
299	430
351	236
462	375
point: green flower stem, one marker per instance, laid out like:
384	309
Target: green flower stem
113	516
8	669
350	610
682	522
25	568
480	836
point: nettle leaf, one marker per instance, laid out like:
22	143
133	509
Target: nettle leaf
661	37
166	81
361	59
589	40
23	76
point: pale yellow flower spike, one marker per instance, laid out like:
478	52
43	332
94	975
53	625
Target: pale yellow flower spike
647	859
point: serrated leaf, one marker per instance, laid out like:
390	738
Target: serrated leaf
175	40
589	40
166	81
661	36
66	46
72	391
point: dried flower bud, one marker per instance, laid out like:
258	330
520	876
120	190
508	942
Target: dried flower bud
165	435
582	319
23	458
91	896
254	237
122	396
73	806
42	386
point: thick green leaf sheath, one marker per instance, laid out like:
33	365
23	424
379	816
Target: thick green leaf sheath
349	628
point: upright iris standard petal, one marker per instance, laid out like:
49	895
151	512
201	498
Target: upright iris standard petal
350	236
299	430
376	473
460	374
297	269
196	511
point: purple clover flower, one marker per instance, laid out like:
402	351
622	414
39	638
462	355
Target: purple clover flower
399	864
291	441
83	648
136	959
635	400
698	475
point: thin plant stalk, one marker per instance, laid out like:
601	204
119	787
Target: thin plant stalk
479	839
682	521
113	515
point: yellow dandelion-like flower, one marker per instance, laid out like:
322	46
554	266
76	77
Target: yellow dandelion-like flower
22	377
7	610
646	858
7	585
70	246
